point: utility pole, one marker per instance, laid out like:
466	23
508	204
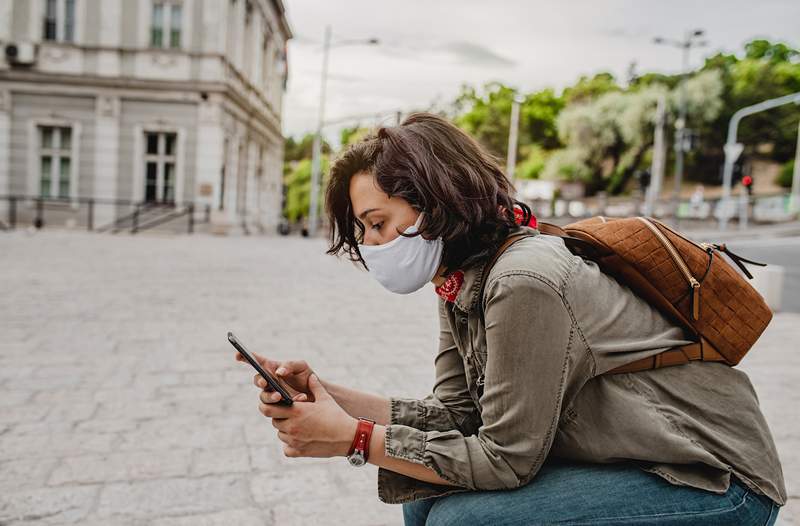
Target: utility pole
513	134
681	139
316	151
316	155
657	166
794	203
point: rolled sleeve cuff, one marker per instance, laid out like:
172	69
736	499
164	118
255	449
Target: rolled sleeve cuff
428	414
396	488
407	412
408	443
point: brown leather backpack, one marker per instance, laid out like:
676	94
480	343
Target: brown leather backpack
689	282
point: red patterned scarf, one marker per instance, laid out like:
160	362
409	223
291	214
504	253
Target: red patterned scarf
452	285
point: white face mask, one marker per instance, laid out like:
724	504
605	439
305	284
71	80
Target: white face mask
404	264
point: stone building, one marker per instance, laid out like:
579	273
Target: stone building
152	101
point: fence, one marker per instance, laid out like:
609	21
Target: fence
97	214
766	208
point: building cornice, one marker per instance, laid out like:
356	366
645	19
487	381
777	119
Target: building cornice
281	10
138	89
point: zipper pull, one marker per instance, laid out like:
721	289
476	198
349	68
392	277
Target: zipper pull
739	259
695	299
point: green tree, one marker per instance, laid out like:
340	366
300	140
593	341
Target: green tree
487	117
785	175
767	70
589	88
352	135
297	150
776	53
534	158
298	189
607	139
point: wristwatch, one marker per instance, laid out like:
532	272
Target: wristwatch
359	449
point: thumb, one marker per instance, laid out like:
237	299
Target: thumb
316	387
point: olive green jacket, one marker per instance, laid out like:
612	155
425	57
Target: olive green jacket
520	382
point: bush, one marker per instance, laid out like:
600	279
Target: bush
533	164
784	177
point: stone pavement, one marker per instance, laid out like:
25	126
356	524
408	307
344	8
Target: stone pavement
120	402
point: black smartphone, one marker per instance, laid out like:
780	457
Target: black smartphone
275	383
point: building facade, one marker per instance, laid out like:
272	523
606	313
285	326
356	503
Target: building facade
152	101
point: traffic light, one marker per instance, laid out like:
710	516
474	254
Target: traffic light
738	172
644	179
747	182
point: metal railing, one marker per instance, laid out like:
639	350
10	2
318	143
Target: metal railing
81	212
760	208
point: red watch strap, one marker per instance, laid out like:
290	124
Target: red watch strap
362	437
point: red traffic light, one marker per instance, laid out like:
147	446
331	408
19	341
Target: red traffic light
747	180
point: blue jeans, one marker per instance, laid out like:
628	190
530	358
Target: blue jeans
584	494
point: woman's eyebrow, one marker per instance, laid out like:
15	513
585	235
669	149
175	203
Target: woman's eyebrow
367	211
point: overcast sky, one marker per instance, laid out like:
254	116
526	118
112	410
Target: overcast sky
429	48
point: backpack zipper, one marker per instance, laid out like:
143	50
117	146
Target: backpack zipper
693	283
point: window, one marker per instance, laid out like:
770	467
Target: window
165	24
59	20
159	167
248	40
55	161
265	63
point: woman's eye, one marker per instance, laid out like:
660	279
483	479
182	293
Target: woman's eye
379	225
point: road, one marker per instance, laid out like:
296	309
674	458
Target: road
777	251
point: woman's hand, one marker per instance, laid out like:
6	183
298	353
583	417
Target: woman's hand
311	429
294	373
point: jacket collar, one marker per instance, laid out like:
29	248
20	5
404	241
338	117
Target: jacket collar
467	297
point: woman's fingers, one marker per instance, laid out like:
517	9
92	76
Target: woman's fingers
259	381
271	397
291	367
264	362
275	410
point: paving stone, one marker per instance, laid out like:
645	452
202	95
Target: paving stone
240	517
337	511
54	445
272	488
25	474
217	461
135	465
47	505
129	410
175	496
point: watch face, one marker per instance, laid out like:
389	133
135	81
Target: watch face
357	459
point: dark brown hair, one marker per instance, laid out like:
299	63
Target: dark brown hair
440	170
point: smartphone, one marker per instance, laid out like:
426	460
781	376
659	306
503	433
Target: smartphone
275	383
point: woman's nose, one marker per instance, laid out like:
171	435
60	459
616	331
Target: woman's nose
371	239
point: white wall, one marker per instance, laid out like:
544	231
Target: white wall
5	150
106	155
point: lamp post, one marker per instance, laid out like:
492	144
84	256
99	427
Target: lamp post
513	133
316	154
689	41
733	149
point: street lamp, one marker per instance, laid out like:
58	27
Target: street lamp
689	41
513	133
317	148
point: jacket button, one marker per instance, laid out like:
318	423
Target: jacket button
462	320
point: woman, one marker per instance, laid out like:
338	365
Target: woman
522	426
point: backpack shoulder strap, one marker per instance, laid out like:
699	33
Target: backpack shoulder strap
510	240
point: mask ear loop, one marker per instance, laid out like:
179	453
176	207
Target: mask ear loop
418	222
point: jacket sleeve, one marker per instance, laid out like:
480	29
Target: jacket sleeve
529	334
450	405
